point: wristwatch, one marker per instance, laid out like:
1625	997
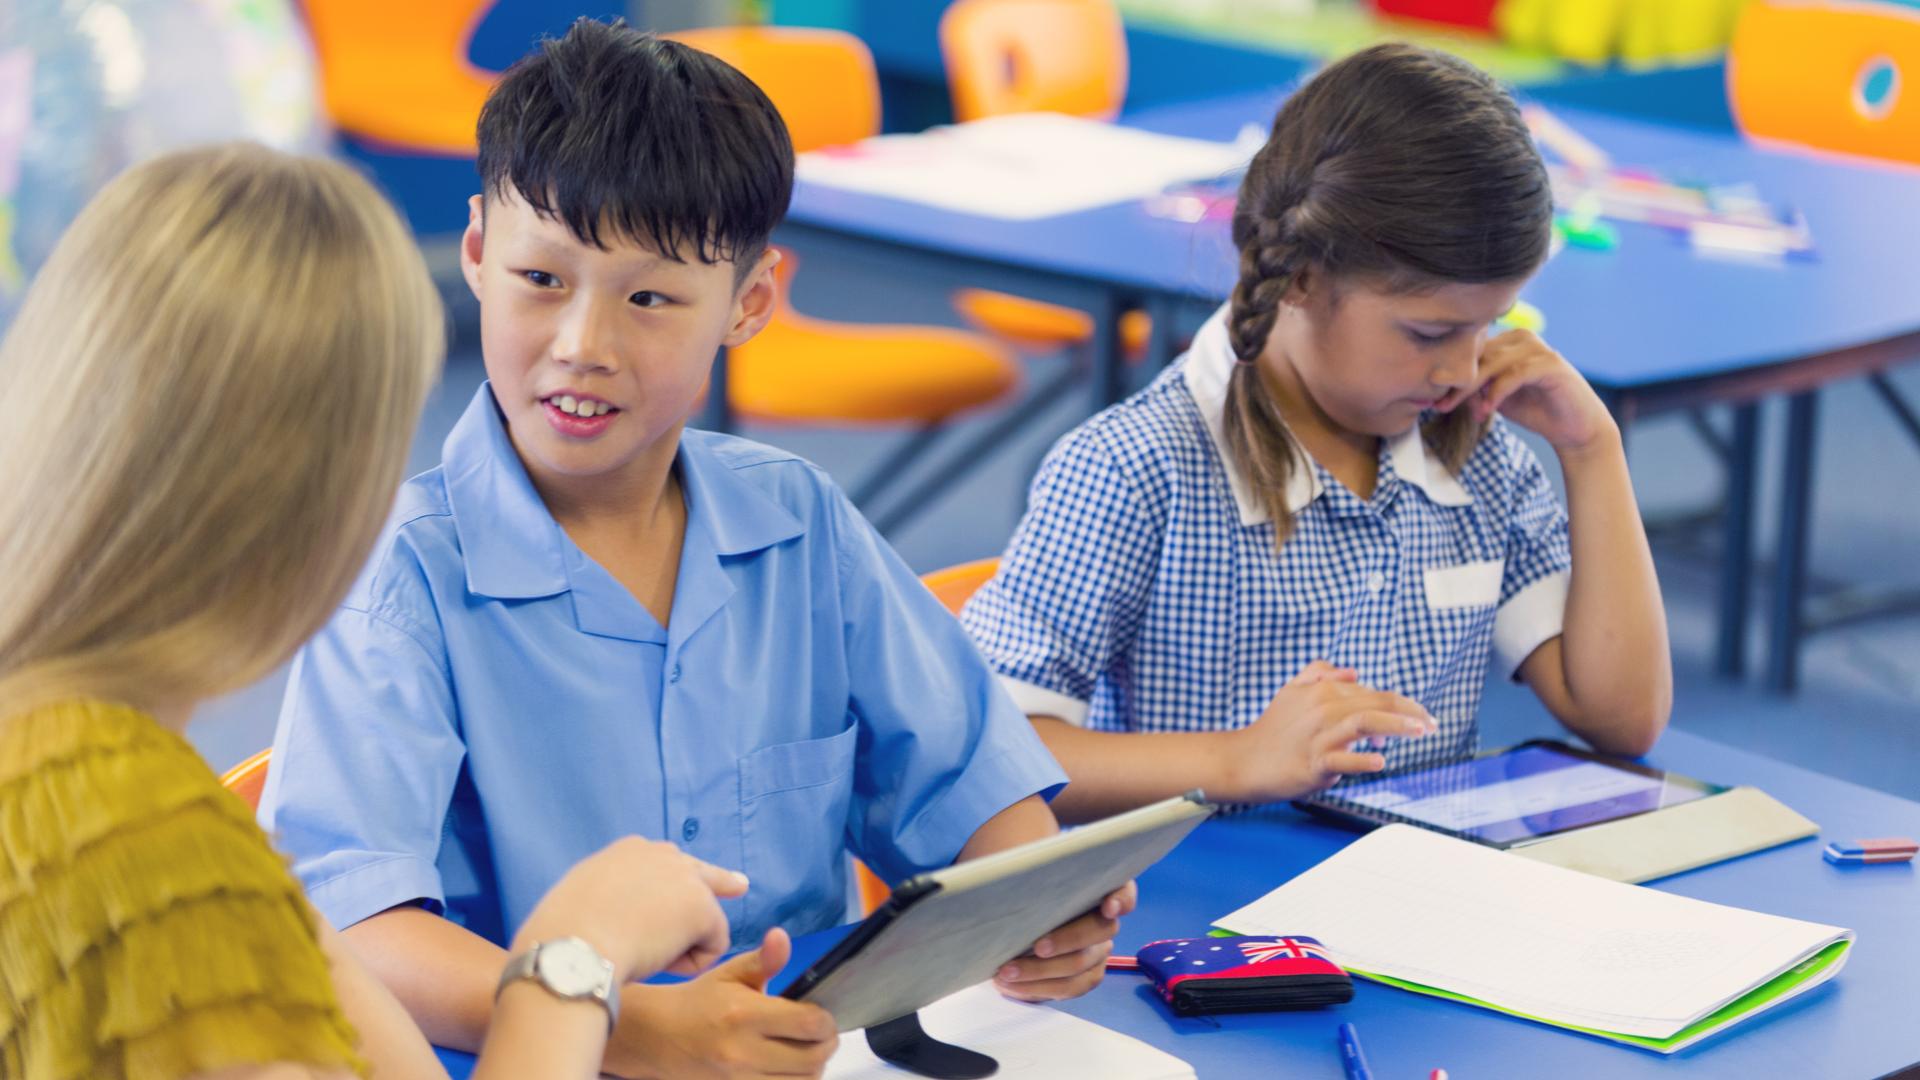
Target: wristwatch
569	968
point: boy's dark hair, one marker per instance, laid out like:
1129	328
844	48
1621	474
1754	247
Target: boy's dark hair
666	146
1400	164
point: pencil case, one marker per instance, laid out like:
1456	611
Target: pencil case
1244	974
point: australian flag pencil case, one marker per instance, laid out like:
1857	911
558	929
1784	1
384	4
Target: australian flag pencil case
1244	974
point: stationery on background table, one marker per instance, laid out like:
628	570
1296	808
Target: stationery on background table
1022	166
1436	915
1724	218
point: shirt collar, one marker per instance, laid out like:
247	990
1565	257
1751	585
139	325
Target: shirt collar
739	515
1209	364
513	547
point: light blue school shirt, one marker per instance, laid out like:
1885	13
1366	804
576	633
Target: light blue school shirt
1143	591
490	705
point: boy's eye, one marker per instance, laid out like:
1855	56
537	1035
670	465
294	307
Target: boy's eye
1429	339
647	298
540	278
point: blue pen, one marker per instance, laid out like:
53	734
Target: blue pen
1351	1058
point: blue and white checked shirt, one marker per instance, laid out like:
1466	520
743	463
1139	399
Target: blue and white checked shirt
1142	591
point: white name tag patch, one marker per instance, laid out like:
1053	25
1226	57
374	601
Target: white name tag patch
1474	584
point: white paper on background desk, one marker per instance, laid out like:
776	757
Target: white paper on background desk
1540	940
1028	1040
1023	166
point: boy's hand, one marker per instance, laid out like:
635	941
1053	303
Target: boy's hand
643	904
1527	382
1306	739
723	1025
1072	959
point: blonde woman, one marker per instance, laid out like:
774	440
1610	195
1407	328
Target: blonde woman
205	405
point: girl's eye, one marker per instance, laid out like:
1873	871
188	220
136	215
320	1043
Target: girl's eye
1429	339
647	298
540	278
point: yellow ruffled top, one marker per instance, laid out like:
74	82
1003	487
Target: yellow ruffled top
148	931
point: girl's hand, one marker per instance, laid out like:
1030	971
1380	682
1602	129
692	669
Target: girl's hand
1524	380
1313	733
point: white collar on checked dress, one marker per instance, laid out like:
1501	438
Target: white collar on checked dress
1210	362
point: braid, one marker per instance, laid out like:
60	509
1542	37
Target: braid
1256	435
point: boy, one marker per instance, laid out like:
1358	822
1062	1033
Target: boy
589	622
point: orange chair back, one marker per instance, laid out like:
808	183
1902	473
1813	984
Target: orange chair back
1012	56
956	584
398	74
249	778
822	81
1843	77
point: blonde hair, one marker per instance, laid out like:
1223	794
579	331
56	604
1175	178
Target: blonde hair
206	402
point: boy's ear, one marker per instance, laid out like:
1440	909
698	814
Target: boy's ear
473	242
755	301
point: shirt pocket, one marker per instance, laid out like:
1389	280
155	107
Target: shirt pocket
1458	639
1468	585
794	801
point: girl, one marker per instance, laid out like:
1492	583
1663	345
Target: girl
1318	530
205	404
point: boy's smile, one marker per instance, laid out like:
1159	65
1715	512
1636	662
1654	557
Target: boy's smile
578	415
597	356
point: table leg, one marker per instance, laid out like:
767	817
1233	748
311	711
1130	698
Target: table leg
1790	570
1736	556
1109	365
1160	335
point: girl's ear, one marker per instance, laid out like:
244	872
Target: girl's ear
1299	288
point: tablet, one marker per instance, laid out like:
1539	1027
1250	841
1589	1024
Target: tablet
1510	798
949	929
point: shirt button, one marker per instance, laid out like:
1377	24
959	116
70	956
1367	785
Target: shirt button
689	829
1376	581
674	675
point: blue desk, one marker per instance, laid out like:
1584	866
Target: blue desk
1652	325
1860	1025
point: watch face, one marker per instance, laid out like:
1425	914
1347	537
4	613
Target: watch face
570	967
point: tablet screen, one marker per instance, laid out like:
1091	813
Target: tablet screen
1530	791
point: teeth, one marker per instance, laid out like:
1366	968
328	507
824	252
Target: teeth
581	407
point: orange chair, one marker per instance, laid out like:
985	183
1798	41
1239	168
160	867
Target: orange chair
249	778
808	370
955	585
397	74
822	81
1828	76
1011	56
813	371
